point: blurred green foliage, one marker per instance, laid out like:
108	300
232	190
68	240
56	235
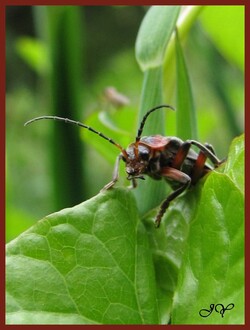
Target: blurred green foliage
108	34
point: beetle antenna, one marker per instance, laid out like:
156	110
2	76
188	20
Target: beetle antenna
146	116
69	121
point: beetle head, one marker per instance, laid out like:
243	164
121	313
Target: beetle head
136	161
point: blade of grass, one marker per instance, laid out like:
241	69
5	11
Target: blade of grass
186	117
185	21
151	43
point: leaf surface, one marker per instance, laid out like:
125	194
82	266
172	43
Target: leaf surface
86	264
212	269
198	251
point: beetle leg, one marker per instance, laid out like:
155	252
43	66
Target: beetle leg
210	147
181	155
115	174
198	169
134	184
174	175
207	150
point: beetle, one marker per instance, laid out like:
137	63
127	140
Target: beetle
158	157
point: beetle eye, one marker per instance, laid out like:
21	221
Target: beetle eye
144	155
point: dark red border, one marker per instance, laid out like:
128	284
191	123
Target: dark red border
120	2
247	165
2	151
2	145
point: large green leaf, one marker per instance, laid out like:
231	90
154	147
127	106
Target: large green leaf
212	270
198	251
86	264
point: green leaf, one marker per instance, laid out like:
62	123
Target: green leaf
198	249
86	264
212	270
154	34
186	116
187	17
168	244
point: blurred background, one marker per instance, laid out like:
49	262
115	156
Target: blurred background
79	63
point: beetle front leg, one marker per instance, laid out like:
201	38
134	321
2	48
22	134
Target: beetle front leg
134	184
174	175
115	174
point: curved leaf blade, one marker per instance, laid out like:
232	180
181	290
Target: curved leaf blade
154	34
